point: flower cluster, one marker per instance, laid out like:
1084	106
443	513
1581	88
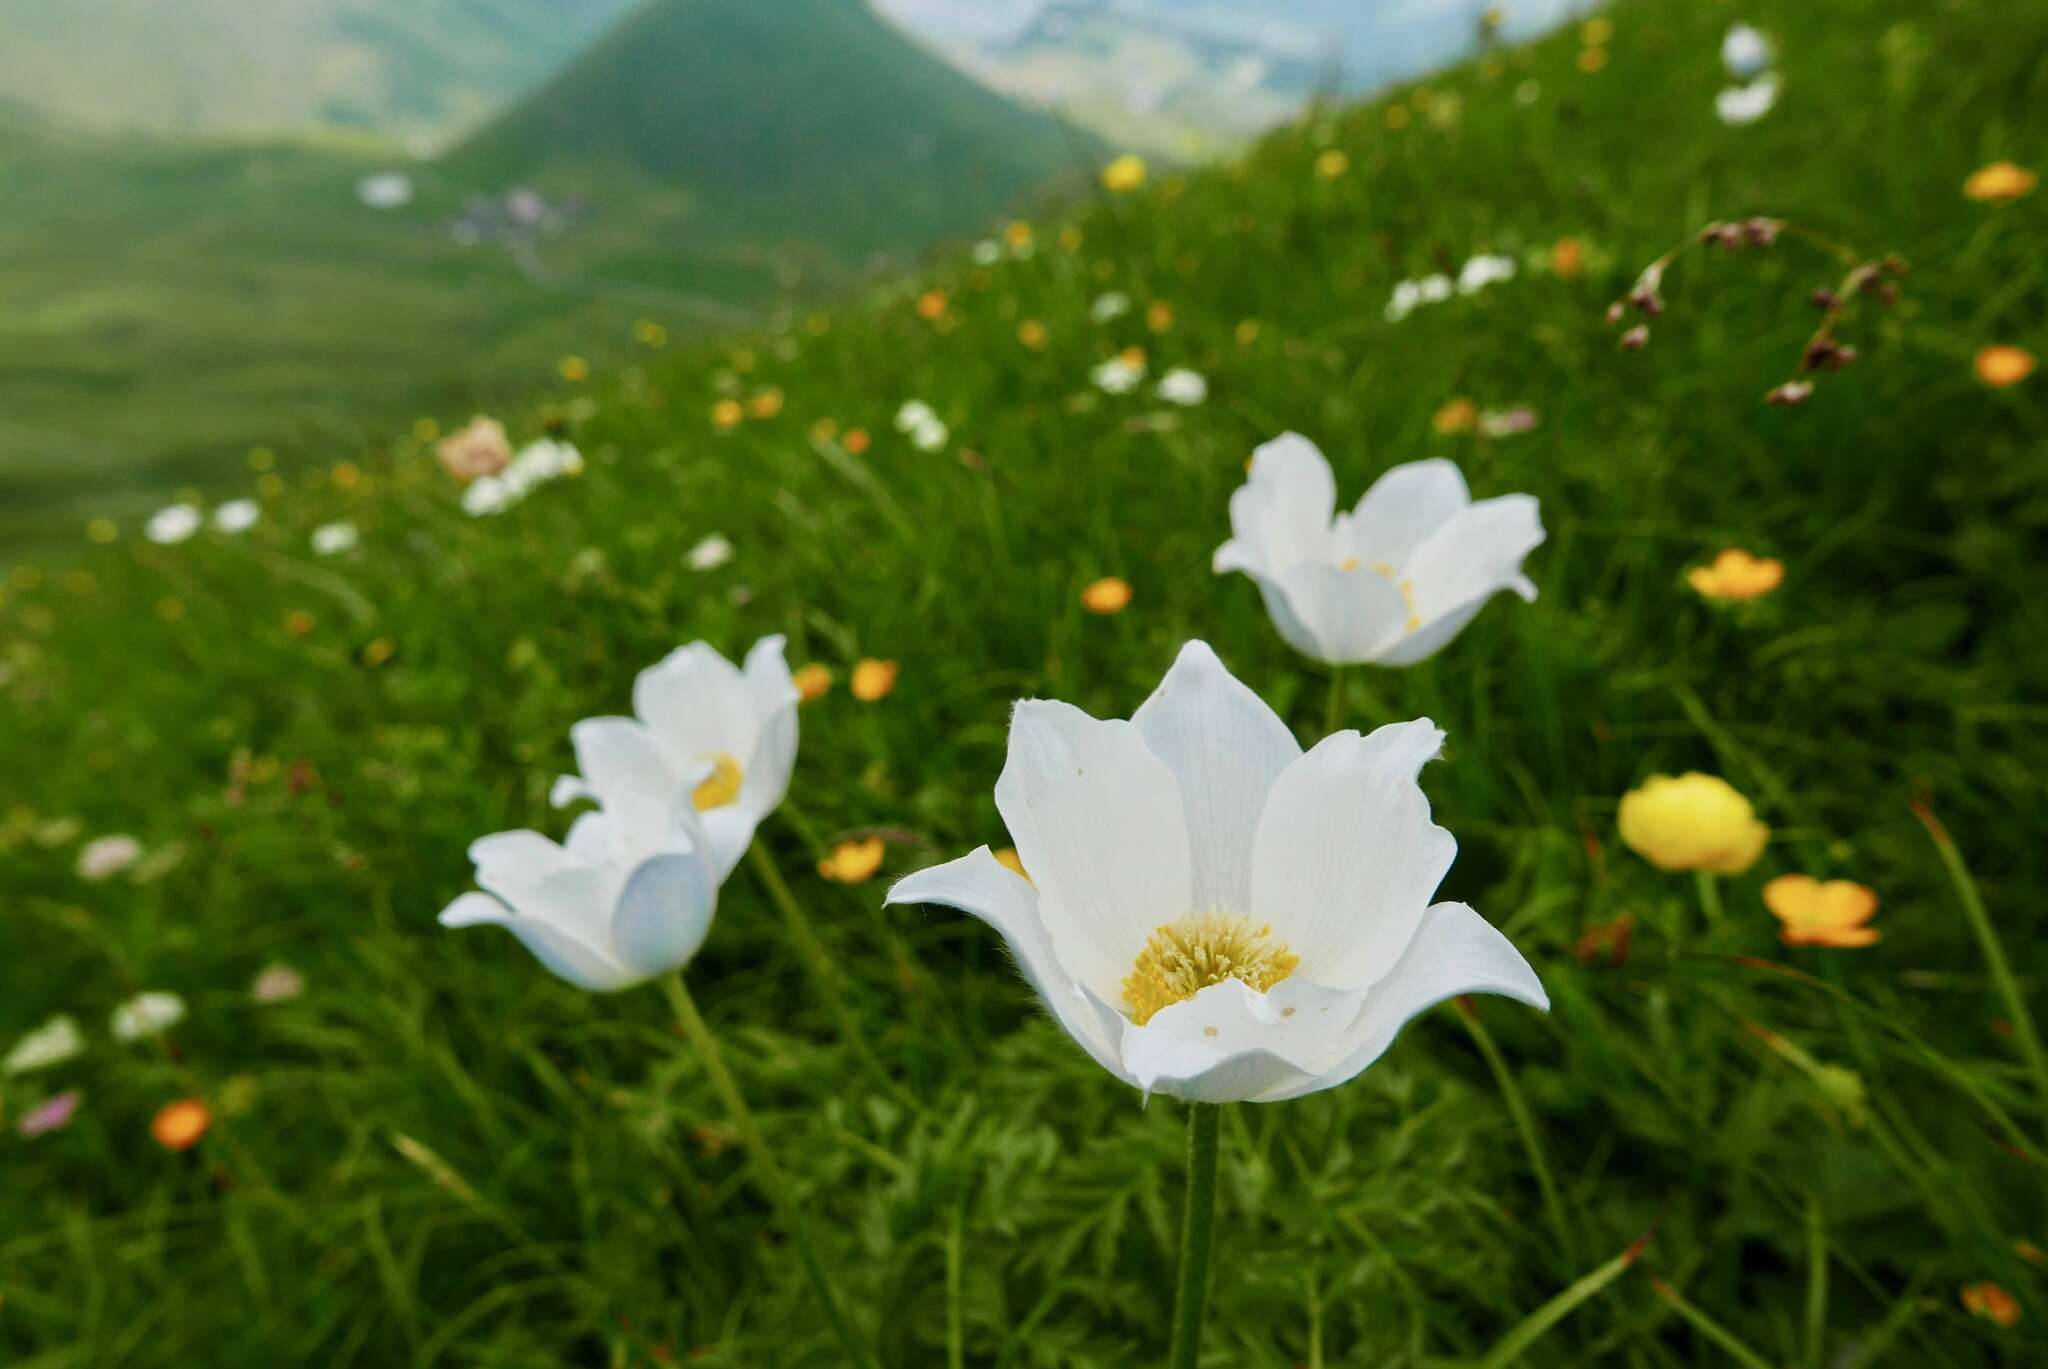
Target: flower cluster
1476	274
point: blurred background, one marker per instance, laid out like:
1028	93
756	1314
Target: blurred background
288	229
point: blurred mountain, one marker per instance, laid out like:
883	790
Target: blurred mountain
1187	76
811	121
417	69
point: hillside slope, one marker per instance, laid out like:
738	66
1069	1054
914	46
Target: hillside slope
807	119
1718	1147
394	68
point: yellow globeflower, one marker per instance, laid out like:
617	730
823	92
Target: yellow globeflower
1032	334
853	862
727	413
574	368
1332	163
1735	574
1458	416
1693	822
1107	595
2001	365
1124	174
1822	914
931	304
765	403
813	682
2000	181
1018	235
872	679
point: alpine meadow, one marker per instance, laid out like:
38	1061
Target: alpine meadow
510	889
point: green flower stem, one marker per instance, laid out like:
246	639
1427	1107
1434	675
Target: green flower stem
1710	897
1994	950
1198	1224
767	1173
820	964
1333	712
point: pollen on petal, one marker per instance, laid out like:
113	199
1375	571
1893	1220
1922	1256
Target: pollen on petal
1183	958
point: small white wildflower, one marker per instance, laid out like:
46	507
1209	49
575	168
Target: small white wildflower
1182	386
988	252
237	515
1113	305
56	1041
486	495
711	553
914	413
1119	375
1740	105
105	857
147	1014
172	524
332	539
1745	52
1483	271
930	434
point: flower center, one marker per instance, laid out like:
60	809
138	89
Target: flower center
1183	958
723	785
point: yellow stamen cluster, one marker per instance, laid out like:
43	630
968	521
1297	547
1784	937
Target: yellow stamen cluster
1183	958
722	787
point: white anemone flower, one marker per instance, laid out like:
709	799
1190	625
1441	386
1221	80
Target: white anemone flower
1482	271
332	539
1109	307
1118	376
1739	105
1213	914
1388	583
146	1015
1745	52
237	515
627	896
708	738
710	553
104	857
172	524
1184	387
487	495
56	1041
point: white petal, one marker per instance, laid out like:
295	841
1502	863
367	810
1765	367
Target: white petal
1475	554
980	885
728	832
1455	951
775	699
1430	638
1230	1043
1402	508
543	882
1226	747
1346	858
559	952
1293	628
622	764
1097	819
1352	612
664	913
1290	500
697	704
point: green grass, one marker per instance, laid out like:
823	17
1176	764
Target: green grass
439	1155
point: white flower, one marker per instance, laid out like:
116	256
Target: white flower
385	189
1391	581
332	539
707	738
1434	289
539	462
1182	386
172	524
147	1014
1118	376
629	895
711	553
1483	271
930	435
914	413
1738	105
237	515
1745	52
487	495
1109	307
988	252
1213	914
56	1041
104	857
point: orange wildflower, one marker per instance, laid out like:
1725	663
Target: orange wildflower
1735	574
853	862
1816	913
1989	1301
1107	595
2001	365
2001	181
813	681
872	679
179	1125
